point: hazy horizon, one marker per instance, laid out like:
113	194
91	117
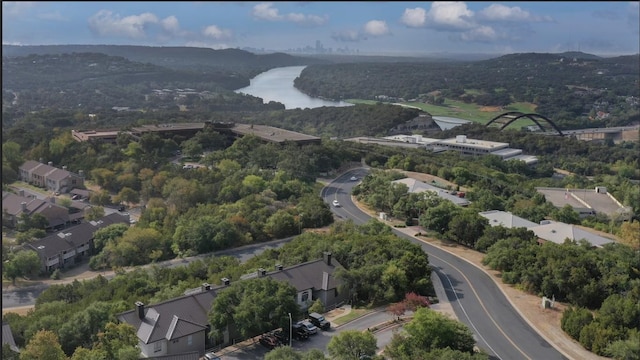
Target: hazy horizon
362	28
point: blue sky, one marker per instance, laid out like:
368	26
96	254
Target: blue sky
384	27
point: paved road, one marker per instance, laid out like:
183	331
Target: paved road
27	296
476	299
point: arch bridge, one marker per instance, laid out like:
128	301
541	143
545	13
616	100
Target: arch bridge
507	118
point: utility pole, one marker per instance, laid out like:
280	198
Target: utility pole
290	329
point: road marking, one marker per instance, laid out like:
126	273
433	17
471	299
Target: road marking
481	304
325	191
463	310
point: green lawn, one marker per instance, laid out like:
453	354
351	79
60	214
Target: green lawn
353	314
462	110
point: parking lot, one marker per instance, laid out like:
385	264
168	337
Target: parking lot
252	349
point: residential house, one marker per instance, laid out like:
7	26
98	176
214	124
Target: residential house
417	186
49	177
72	245
547	230
558	232
181	325
7	337
14	205
314	280
506	219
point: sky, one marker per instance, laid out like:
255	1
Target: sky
368	27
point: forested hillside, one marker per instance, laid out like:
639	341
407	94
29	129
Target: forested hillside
94	82
243	63
569	89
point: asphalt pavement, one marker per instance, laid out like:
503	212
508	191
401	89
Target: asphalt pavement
476	299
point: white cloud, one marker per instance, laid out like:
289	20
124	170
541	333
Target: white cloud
414	17
266	11
443	15
480	34
214	32
14	8
105	22
16	43
170	24
376	28
200	44
450	15
498	12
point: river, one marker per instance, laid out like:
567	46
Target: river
277	85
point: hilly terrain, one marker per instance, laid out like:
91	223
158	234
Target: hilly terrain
244	63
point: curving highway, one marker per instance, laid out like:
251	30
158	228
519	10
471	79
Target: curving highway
476	299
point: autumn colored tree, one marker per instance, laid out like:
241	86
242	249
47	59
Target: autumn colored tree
43	346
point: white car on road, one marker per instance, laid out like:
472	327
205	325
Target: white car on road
336	203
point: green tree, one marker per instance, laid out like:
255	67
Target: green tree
567	215
22	263
12	155
430	330
317	307
467	227
119	341
439	217
107	234
127	195
253	306
281	224
94	213
574	319
8	353
352	345
628	349
43	346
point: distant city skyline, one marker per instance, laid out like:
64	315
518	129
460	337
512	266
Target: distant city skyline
367	28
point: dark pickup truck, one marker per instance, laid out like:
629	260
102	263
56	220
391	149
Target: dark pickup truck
319	321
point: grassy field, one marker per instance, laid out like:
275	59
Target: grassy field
462	110
353	314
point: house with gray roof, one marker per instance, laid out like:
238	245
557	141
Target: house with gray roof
49	177
181	325
559	232
506	219
15	205
417	186
547	230
7	337
68	247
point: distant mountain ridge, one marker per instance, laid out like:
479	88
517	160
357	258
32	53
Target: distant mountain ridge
179	58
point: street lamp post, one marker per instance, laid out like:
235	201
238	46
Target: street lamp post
290	329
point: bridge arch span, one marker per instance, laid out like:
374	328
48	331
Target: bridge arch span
507	118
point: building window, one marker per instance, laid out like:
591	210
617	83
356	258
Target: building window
305	296
157	347
190	340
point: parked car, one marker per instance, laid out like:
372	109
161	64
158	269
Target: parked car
319	321
353	178
312	329
282	337
269	341
300	332
336	203
211	356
